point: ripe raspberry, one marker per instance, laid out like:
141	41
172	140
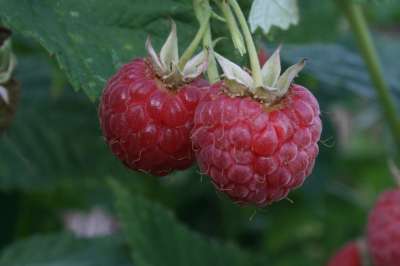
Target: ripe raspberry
253	153
147	108
146	124
349	255
383	230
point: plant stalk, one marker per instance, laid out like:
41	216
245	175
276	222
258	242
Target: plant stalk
230	20
251	48
201	8
195	42
368	51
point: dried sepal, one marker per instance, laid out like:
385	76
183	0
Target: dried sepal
274	86
9	88
234	88
272	69
166	65
196	66
234	72
9	98
173	77
8	61
169	54
286	79
4	95
264	94
153	57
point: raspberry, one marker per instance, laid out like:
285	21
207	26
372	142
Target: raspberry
383	230
349	255
146	124
146	110
253	153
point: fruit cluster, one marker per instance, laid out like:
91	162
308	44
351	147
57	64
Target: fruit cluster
257	142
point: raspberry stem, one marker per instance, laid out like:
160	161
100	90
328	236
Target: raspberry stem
251	48
195	42
368	51
230	20
201	8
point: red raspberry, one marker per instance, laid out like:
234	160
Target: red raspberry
349	255
146	124
257	154
384	230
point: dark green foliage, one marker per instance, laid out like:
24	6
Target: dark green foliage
150	227
52	140
91	39
65	250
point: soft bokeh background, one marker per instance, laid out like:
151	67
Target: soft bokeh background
55	167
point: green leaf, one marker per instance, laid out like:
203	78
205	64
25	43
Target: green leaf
266	14
157	238
53	141
92	39
337	67
65	250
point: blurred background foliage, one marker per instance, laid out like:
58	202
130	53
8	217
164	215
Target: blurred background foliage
53	158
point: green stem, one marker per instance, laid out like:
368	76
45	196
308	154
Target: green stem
358	23
230	20
200	8
196	41
251	48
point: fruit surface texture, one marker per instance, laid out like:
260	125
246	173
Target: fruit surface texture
384	230
256	153
147	123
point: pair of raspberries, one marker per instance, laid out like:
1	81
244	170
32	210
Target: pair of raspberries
382	245
255	151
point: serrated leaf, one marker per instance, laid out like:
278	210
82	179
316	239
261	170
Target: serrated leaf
52	141
157	238
339	68
65	250
265	14
92	39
